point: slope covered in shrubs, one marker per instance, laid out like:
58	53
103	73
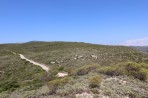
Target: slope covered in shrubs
98	70
136	70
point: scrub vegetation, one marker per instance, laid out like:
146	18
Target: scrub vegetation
93	70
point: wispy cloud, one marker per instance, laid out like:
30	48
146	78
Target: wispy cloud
136	42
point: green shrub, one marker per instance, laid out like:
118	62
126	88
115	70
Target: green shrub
70	71
112	70
95	81
37	83
136	70
9	85
143	65
85	69
141	75
54	84
52	74
131	66
61	68
82	71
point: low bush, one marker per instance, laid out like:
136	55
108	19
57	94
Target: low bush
136	70
112	71
54	84
141	75
131	66
82	71
52	74
85	70
9	85
61	68
144	65
95	81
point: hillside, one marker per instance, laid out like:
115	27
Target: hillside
142	48
93	70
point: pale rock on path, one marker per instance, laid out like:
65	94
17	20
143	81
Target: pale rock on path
44	67
62	74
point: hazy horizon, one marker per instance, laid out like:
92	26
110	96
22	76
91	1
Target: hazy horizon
75	42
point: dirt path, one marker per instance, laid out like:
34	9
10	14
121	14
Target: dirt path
44	67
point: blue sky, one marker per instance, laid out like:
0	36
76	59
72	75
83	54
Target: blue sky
94	21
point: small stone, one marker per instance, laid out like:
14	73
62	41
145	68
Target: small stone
94	56
62	74
52	62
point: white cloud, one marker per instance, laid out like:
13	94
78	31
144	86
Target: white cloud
136	42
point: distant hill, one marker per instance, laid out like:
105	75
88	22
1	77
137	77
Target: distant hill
142	48
95	70
35	42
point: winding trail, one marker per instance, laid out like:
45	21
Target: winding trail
44	67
